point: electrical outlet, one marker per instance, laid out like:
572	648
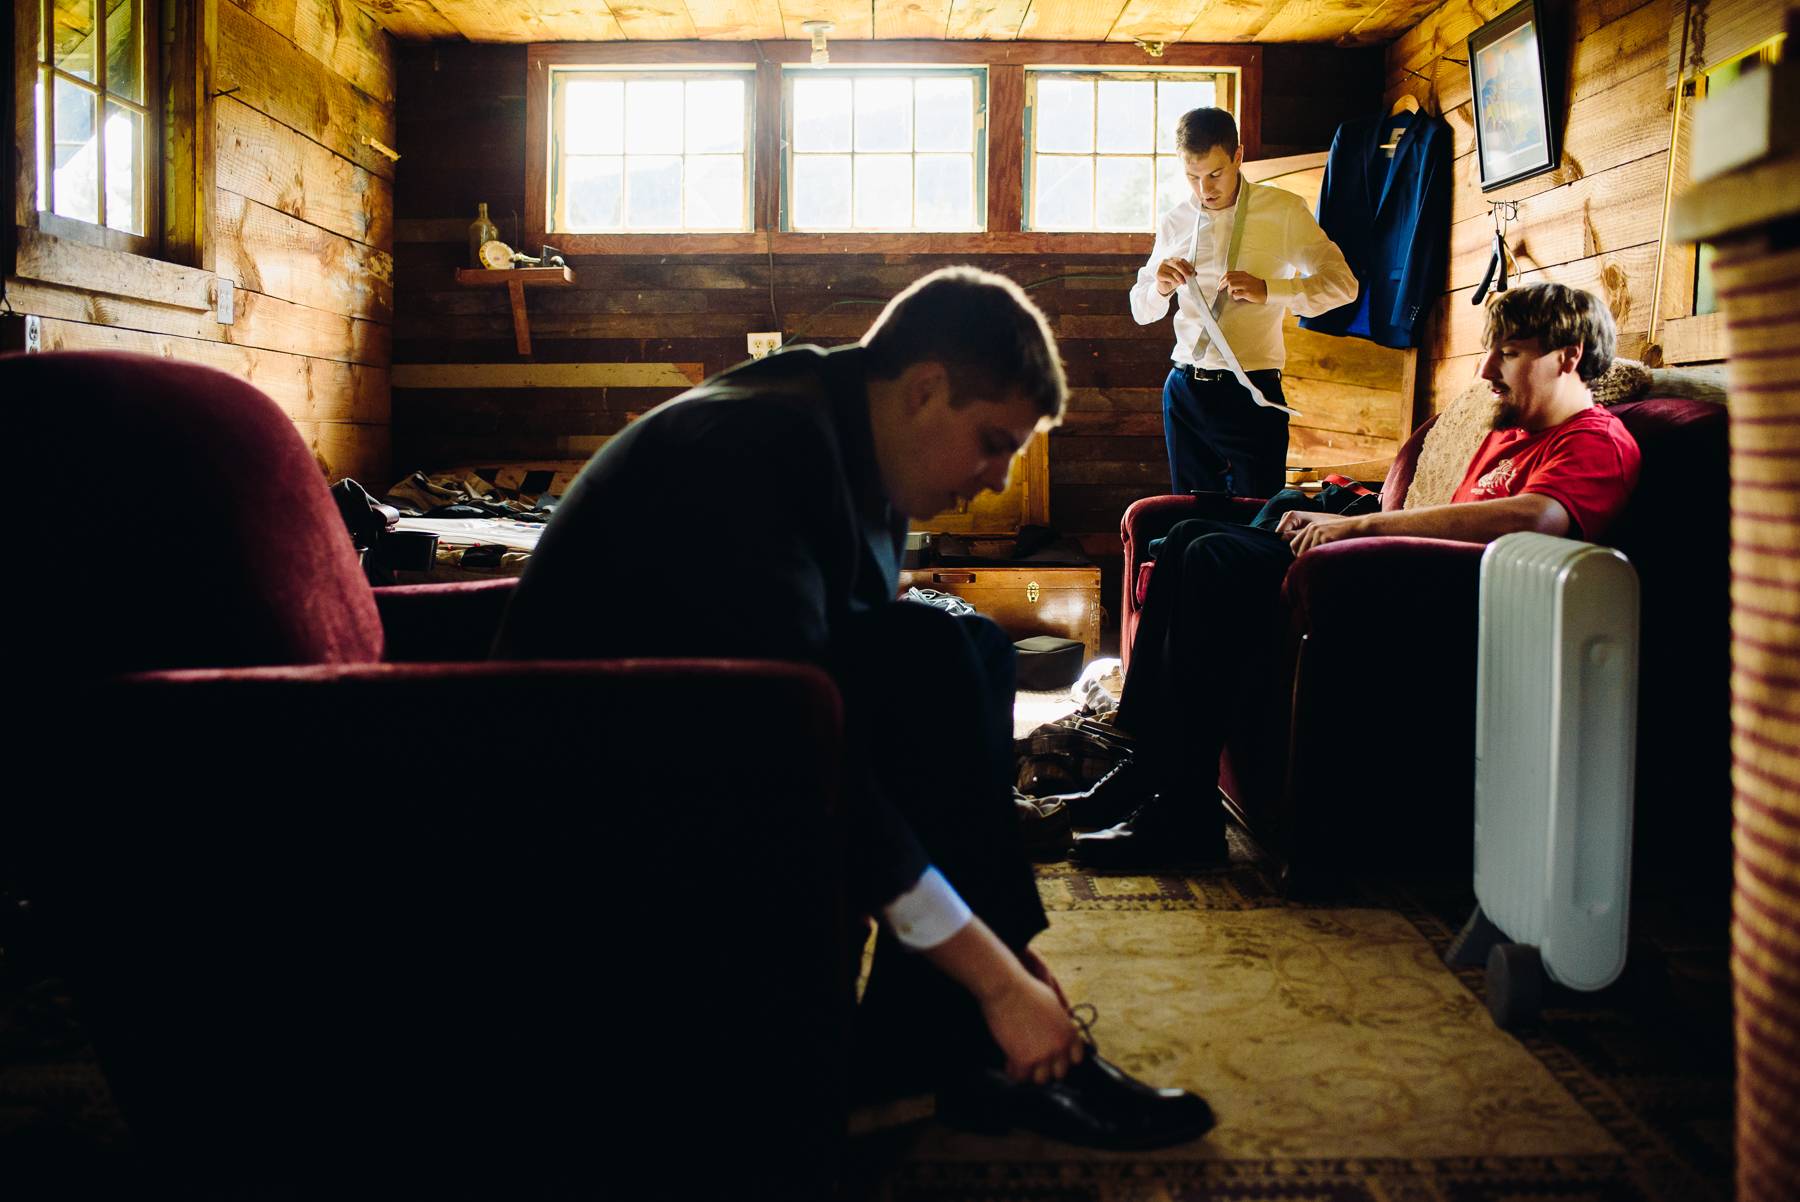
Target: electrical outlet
763	344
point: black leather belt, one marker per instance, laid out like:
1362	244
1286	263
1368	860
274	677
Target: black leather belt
1209	375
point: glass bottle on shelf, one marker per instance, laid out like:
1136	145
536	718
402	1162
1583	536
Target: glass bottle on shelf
480	230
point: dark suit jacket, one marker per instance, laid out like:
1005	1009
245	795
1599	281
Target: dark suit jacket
744	518
1391	218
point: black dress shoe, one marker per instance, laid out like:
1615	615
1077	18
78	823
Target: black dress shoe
1166	832
1096	1106
1113	798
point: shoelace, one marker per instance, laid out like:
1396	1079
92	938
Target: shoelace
1085	1022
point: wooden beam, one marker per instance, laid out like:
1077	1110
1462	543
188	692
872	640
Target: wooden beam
316	390
1006	149
78	265
264	322
846	53
547	375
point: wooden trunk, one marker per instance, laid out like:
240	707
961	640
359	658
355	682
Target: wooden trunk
1026	600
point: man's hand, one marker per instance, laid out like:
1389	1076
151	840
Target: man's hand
1244	287
1032	1026
1302	531
1019	998
1172	274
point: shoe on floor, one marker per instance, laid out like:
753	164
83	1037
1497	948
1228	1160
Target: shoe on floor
1111	799
1043	823
1095	1105
1166	832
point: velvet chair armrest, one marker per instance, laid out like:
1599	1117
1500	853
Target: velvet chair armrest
1151	518
286	897
442	623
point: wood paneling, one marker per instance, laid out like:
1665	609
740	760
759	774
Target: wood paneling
282	169
1591	223
273	76
641	303
340	35
265	250
300	218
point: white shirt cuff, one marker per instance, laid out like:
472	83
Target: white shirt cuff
928	913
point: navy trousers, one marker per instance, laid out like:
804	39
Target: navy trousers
1221	440
1204	648
928	704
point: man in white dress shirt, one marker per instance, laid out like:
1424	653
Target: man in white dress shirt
1248	252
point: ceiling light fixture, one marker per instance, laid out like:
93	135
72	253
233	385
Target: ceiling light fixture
818	30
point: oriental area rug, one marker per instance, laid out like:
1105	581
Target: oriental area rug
1346	1063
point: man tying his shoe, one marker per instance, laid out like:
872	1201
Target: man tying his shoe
793	478
1554	463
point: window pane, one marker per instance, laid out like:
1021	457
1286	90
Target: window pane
1173	98
594	118
73	40
944	191
715	116
822	116
821	191
124	65
594	193
1065	194
1064	121
883	115
1122	194
946	114
653	123
124	135
883	190
1171	184
75	155
653	191
1127	117
715	192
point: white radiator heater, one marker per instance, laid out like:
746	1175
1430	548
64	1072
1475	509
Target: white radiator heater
1555	745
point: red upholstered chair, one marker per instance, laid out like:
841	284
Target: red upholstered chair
1362	746
458	927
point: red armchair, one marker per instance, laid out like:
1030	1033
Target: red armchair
457	928
1361	748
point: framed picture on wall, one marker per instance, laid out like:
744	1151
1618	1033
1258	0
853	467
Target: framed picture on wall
1514	135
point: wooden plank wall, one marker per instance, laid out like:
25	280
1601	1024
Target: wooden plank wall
302	222
1593	222
461	130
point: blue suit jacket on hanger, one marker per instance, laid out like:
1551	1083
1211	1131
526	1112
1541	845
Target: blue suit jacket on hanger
1391	218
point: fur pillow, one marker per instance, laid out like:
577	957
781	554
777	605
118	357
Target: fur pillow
1625	380
1450	445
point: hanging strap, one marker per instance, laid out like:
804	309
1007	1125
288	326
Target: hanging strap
1209	313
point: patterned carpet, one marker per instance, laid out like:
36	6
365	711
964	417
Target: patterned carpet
1347	1064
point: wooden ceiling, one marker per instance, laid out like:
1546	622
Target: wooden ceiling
1343	22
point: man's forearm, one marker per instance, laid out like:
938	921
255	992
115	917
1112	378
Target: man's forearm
1470	522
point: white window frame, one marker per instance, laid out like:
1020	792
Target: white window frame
978	73
1228	85
560	76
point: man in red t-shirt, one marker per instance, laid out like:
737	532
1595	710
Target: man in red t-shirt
1554	463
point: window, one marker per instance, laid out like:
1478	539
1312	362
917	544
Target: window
1101	151
98	127
650	151
884	150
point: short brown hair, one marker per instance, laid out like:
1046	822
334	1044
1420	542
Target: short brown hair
1557	316
982	328
1199	130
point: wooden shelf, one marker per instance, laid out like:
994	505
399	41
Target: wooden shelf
516	280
